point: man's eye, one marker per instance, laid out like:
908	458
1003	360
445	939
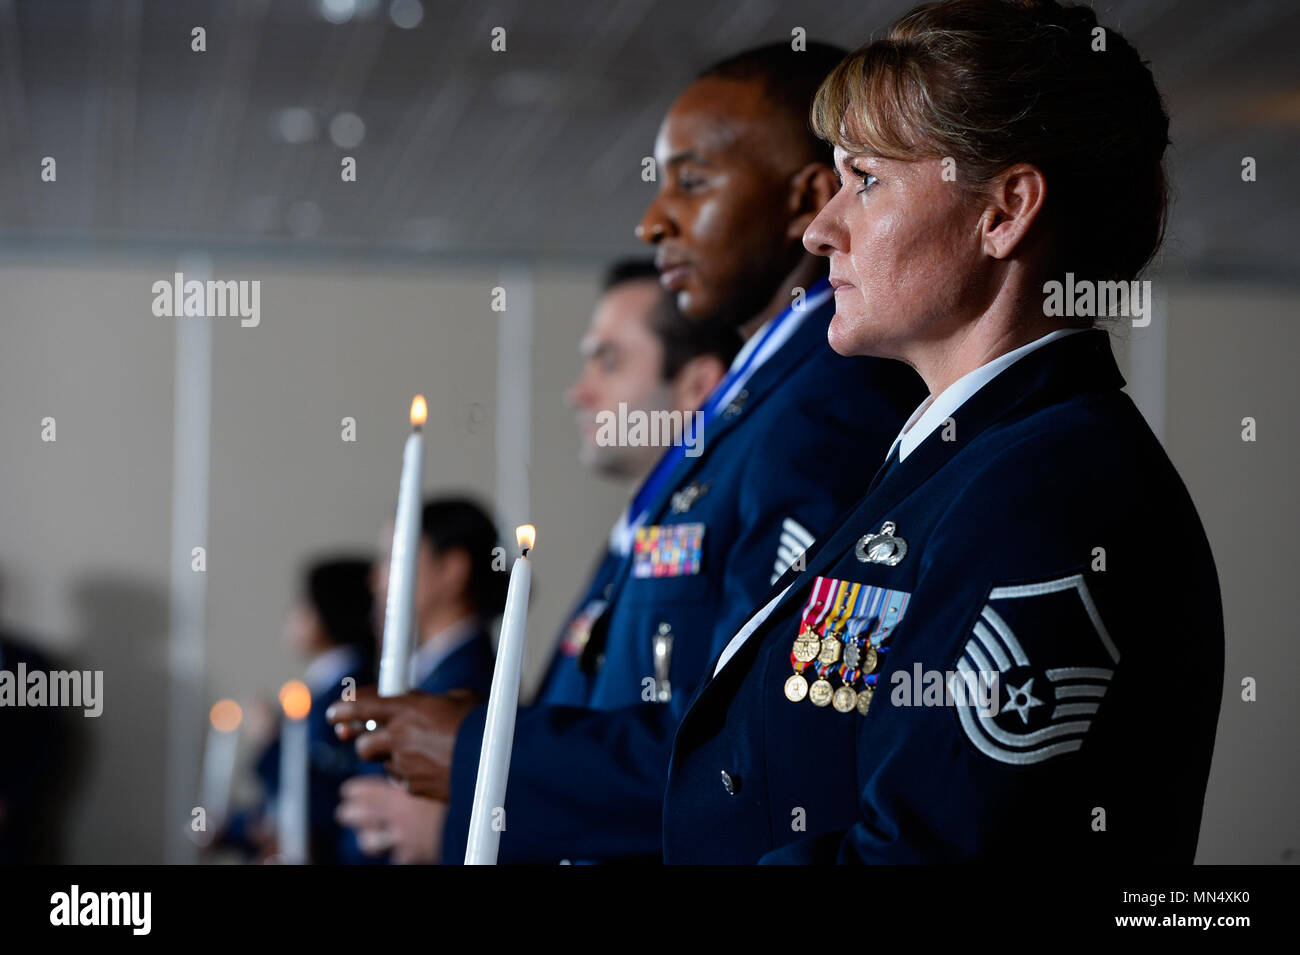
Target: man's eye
689	183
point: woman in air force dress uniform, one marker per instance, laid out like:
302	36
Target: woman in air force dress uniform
1013	648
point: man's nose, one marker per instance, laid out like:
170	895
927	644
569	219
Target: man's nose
578	395
651	234
654	225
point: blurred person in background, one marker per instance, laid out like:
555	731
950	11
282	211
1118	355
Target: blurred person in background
34	755
330	626
641	352
458	594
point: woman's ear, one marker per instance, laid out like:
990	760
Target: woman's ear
1015	200
810	189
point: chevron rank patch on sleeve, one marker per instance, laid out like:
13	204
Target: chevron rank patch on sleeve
795	539
1053	654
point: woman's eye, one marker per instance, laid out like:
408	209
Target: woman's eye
868	180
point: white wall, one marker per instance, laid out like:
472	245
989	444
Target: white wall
1232	351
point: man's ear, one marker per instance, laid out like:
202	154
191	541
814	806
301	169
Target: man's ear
1015	200
696	381
810	189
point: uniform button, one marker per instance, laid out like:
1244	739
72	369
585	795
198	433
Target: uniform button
730	783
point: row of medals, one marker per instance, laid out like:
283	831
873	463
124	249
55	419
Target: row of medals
827	651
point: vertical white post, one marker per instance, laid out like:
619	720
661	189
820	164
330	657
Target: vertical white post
191	449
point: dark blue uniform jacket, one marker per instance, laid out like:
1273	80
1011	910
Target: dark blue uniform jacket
566	682
1050	543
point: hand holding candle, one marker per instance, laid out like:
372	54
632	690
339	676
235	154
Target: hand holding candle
499	729
415	734
399	611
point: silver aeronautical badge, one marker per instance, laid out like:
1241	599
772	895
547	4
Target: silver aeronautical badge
883	548
685	499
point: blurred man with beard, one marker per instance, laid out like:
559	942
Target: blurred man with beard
640	353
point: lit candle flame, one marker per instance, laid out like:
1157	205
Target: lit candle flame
419	411
295	699
226	716
526	535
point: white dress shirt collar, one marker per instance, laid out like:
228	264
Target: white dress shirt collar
327	670
935	410
770	344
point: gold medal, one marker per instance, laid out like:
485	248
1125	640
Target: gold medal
844	699
864	699
806	645
869	658
796	688
830	651
820	693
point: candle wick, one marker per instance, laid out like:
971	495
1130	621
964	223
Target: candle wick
526	550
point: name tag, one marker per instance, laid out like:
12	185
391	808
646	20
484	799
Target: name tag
668	550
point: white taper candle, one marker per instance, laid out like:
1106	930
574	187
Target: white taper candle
292	809
399	610
219	760
488	811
